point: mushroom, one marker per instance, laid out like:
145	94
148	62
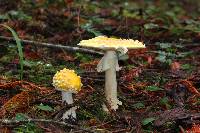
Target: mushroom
68	83
114	48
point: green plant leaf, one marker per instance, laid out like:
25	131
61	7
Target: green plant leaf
44	107
153	88
29	63
4	17
165	101
184	54
21	117
161	58
83	57
150	26
19	46
148	120
28	127
89	28
19	15
164	45
138	105
177	30
186	67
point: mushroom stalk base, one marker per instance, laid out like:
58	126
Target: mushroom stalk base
67	97
110	80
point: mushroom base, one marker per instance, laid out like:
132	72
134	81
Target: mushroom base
71	113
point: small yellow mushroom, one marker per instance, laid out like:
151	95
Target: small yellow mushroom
68	82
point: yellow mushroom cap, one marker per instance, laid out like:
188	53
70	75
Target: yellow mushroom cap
67	80
104	42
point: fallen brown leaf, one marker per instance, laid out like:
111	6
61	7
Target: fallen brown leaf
190	87
175	66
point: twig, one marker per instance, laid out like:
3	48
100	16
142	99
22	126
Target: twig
12	121
101	125
50	45
181	128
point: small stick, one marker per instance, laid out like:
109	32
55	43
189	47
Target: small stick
181	129
12	121
50	45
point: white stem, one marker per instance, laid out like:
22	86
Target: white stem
110	80
67	97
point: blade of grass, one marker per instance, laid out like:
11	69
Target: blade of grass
19	47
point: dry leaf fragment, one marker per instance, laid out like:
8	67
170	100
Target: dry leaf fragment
190	87
195	129
18	103
175	66
10	85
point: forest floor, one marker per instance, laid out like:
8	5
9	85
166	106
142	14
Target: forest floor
159	85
